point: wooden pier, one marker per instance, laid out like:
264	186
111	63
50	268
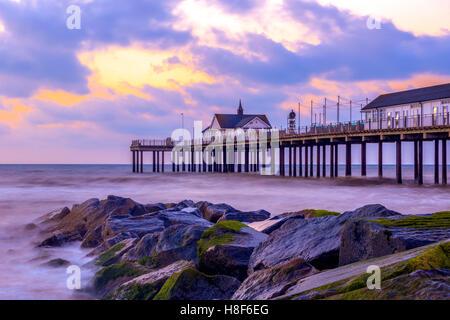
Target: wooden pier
323	142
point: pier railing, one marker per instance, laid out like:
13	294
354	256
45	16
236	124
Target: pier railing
152	143
386	122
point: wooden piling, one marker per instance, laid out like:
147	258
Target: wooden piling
398	163
318	161
336	160
444	161
436	161
420	162
331	161
380	159
348	159
294	154
363	159
324	160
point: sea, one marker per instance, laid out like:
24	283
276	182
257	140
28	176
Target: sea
28	192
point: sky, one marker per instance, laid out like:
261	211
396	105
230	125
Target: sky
80	95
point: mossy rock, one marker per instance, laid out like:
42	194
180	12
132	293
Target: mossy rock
439	220
221	233
191	284
108	255
436	257
135	291
148	262
311	213
115	274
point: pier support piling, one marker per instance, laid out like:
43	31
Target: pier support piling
290	161
306	162
416	164
363	159
444	161
294	150
318	168
436	161
398	166
348	159
420	162
324	160
336	160
300	161
380	159
311	161
331	161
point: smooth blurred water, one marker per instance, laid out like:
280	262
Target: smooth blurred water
29	191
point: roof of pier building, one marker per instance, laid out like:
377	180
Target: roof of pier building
240	120
410	96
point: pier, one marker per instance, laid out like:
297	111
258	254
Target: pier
297	150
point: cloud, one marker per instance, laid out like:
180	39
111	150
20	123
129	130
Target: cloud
37	50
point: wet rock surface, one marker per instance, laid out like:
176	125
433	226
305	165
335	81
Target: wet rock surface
201	250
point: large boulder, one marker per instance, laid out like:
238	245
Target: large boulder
366	239
110	277
274	282
84	219
226	248
114	254
213	212
146	286
177	242
250	216
317	240
191	284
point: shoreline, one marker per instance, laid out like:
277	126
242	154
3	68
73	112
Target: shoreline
121	234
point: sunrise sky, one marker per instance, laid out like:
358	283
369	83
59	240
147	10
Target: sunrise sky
81	96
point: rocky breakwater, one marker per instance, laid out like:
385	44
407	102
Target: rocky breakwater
201	250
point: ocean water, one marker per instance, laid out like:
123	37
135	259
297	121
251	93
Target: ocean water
30	191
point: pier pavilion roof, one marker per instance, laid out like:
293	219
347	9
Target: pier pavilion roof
239	120
410	96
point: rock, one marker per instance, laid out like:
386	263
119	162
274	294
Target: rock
316	240
64	212
85	218
114	254
191	284
147	285
251	216
226	248
57	263
185	204
349	282
177	242
93	238
150	208
213	212
271	283
362	240
277	223
58	240
370	210
144	248
134	226
110	277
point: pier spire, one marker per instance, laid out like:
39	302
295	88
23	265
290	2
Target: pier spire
240	110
